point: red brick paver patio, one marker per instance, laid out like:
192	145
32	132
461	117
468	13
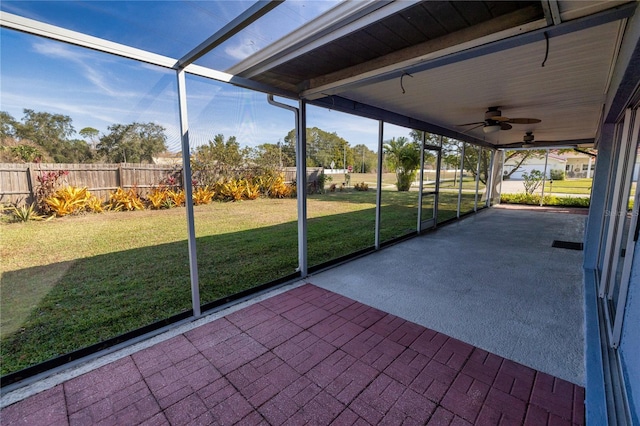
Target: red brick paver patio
307	356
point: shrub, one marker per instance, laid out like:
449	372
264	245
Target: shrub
532	180
125	200
556	174
203	195
24	213
251	190
273	185
157	197
361	187
322	180
176	196
520	198
229	190
69	200
47	184
405	180
549	200
95	204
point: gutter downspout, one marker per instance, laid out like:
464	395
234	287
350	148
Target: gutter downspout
301	178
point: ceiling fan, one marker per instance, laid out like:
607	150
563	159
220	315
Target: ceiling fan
527	142
494	121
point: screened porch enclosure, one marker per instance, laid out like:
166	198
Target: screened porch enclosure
324	140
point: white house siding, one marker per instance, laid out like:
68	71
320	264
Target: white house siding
534	164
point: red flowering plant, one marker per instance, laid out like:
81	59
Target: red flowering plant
47	184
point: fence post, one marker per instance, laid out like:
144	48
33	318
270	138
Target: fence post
119	179
32	195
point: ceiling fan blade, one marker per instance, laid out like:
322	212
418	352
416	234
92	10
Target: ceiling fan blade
510	145
505	126
500	118
473	128
470	124
523	120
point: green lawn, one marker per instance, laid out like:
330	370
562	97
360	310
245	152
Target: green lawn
569	186
75	281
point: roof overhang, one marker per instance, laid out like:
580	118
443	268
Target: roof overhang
551	60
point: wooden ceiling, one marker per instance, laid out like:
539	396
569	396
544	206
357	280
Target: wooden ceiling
444	63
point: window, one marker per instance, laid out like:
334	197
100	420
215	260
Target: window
623	216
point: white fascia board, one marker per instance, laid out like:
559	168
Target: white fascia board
335	23
30	26
346	84
237	81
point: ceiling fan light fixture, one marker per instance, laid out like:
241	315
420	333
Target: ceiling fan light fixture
491	128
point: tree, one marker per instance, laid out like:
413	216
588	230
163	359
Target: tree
403	156
77	151
532	180
91	134
520	157
365	160
135	142
219	158
323	148
7	126
451	150
273	156
430	138
50	131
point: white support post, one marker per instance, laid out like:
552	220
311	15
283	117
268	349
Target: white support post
421	186
490	178
461	176
544	177
379	183
475	201
502	160
437	198
301	167
188	191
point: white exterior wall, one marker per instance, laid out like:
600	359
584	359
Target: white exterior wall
535	164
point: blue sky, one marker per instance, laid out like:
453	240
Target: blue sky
98	90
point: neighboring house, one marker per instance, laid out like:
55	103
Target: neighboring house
579	165
574	164
168	158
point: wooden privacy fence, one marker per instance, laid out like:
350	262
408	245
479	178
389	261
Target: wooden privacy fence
18	182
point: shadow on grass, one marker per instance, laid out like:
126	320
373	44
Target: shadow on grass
52	310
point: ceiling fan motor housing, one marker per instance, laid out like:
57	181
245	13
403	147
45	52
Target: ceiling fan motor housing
528	137
492	113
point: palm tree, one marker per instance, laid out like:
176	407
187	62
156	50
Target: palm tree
404	157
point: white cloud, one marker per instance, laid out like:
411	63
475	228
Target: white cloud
78	57
243	48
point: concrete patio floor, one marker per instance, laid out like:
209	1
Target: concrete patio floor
492	280
477	323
